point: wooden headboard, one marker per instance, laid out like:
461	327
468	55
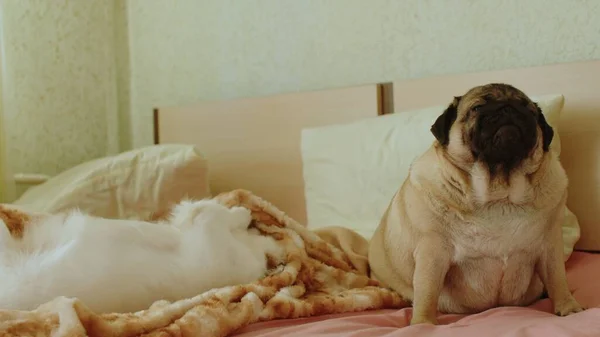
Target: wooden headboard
254	143
579	127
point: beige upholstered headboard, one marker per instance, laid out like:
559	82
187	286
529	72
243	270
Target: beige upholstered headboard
579	126
254	143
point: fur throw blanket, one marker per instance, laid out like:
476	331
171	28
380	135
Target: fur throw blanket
317	278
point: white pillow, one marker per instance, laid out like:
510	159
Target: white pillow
351	171
138	184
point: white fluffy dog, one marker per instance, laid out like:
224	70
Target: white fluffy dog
124	265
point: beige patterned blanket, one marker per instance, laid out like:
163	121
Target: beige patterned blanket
317	278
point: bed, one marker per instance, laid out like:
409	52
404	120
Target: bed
316	169
256	144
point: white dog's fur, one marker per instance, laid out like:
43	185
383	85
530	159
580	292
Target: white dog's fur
124	265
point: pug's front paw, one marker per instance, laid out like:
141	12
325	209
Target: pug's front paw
423	319
568	307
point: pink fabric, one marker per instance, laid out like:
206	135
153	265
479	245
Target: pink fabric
583	271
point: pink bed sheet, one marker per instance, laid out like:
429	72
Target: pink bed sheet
583	271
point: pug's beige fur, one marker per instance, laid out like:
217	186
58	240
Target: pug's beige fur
457	238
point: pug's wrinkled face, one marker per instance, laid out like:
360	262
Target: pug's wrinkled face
496	125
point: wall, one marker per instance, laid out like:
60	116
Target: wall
80	78
187	50
60	94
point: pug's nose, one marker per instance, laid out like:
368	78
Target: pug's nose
508	135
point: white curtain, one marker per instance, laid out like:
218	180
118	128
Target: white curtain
7	186
6	181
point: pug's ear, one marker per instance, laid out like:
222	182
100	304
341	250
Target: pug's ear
547	131
441	128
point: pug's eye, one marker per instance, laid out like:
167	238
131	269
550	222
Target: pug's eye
477	108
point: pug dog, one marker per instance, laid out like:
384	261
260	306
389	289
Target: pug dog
477	222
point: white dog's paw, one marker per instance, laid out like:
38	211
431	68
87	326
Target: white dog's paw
242	217
186	213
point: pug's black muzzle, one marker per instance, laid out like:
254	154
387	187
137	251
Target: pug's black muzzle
504	134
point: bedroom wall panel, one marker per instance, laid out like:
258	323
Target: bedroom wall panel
185	51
